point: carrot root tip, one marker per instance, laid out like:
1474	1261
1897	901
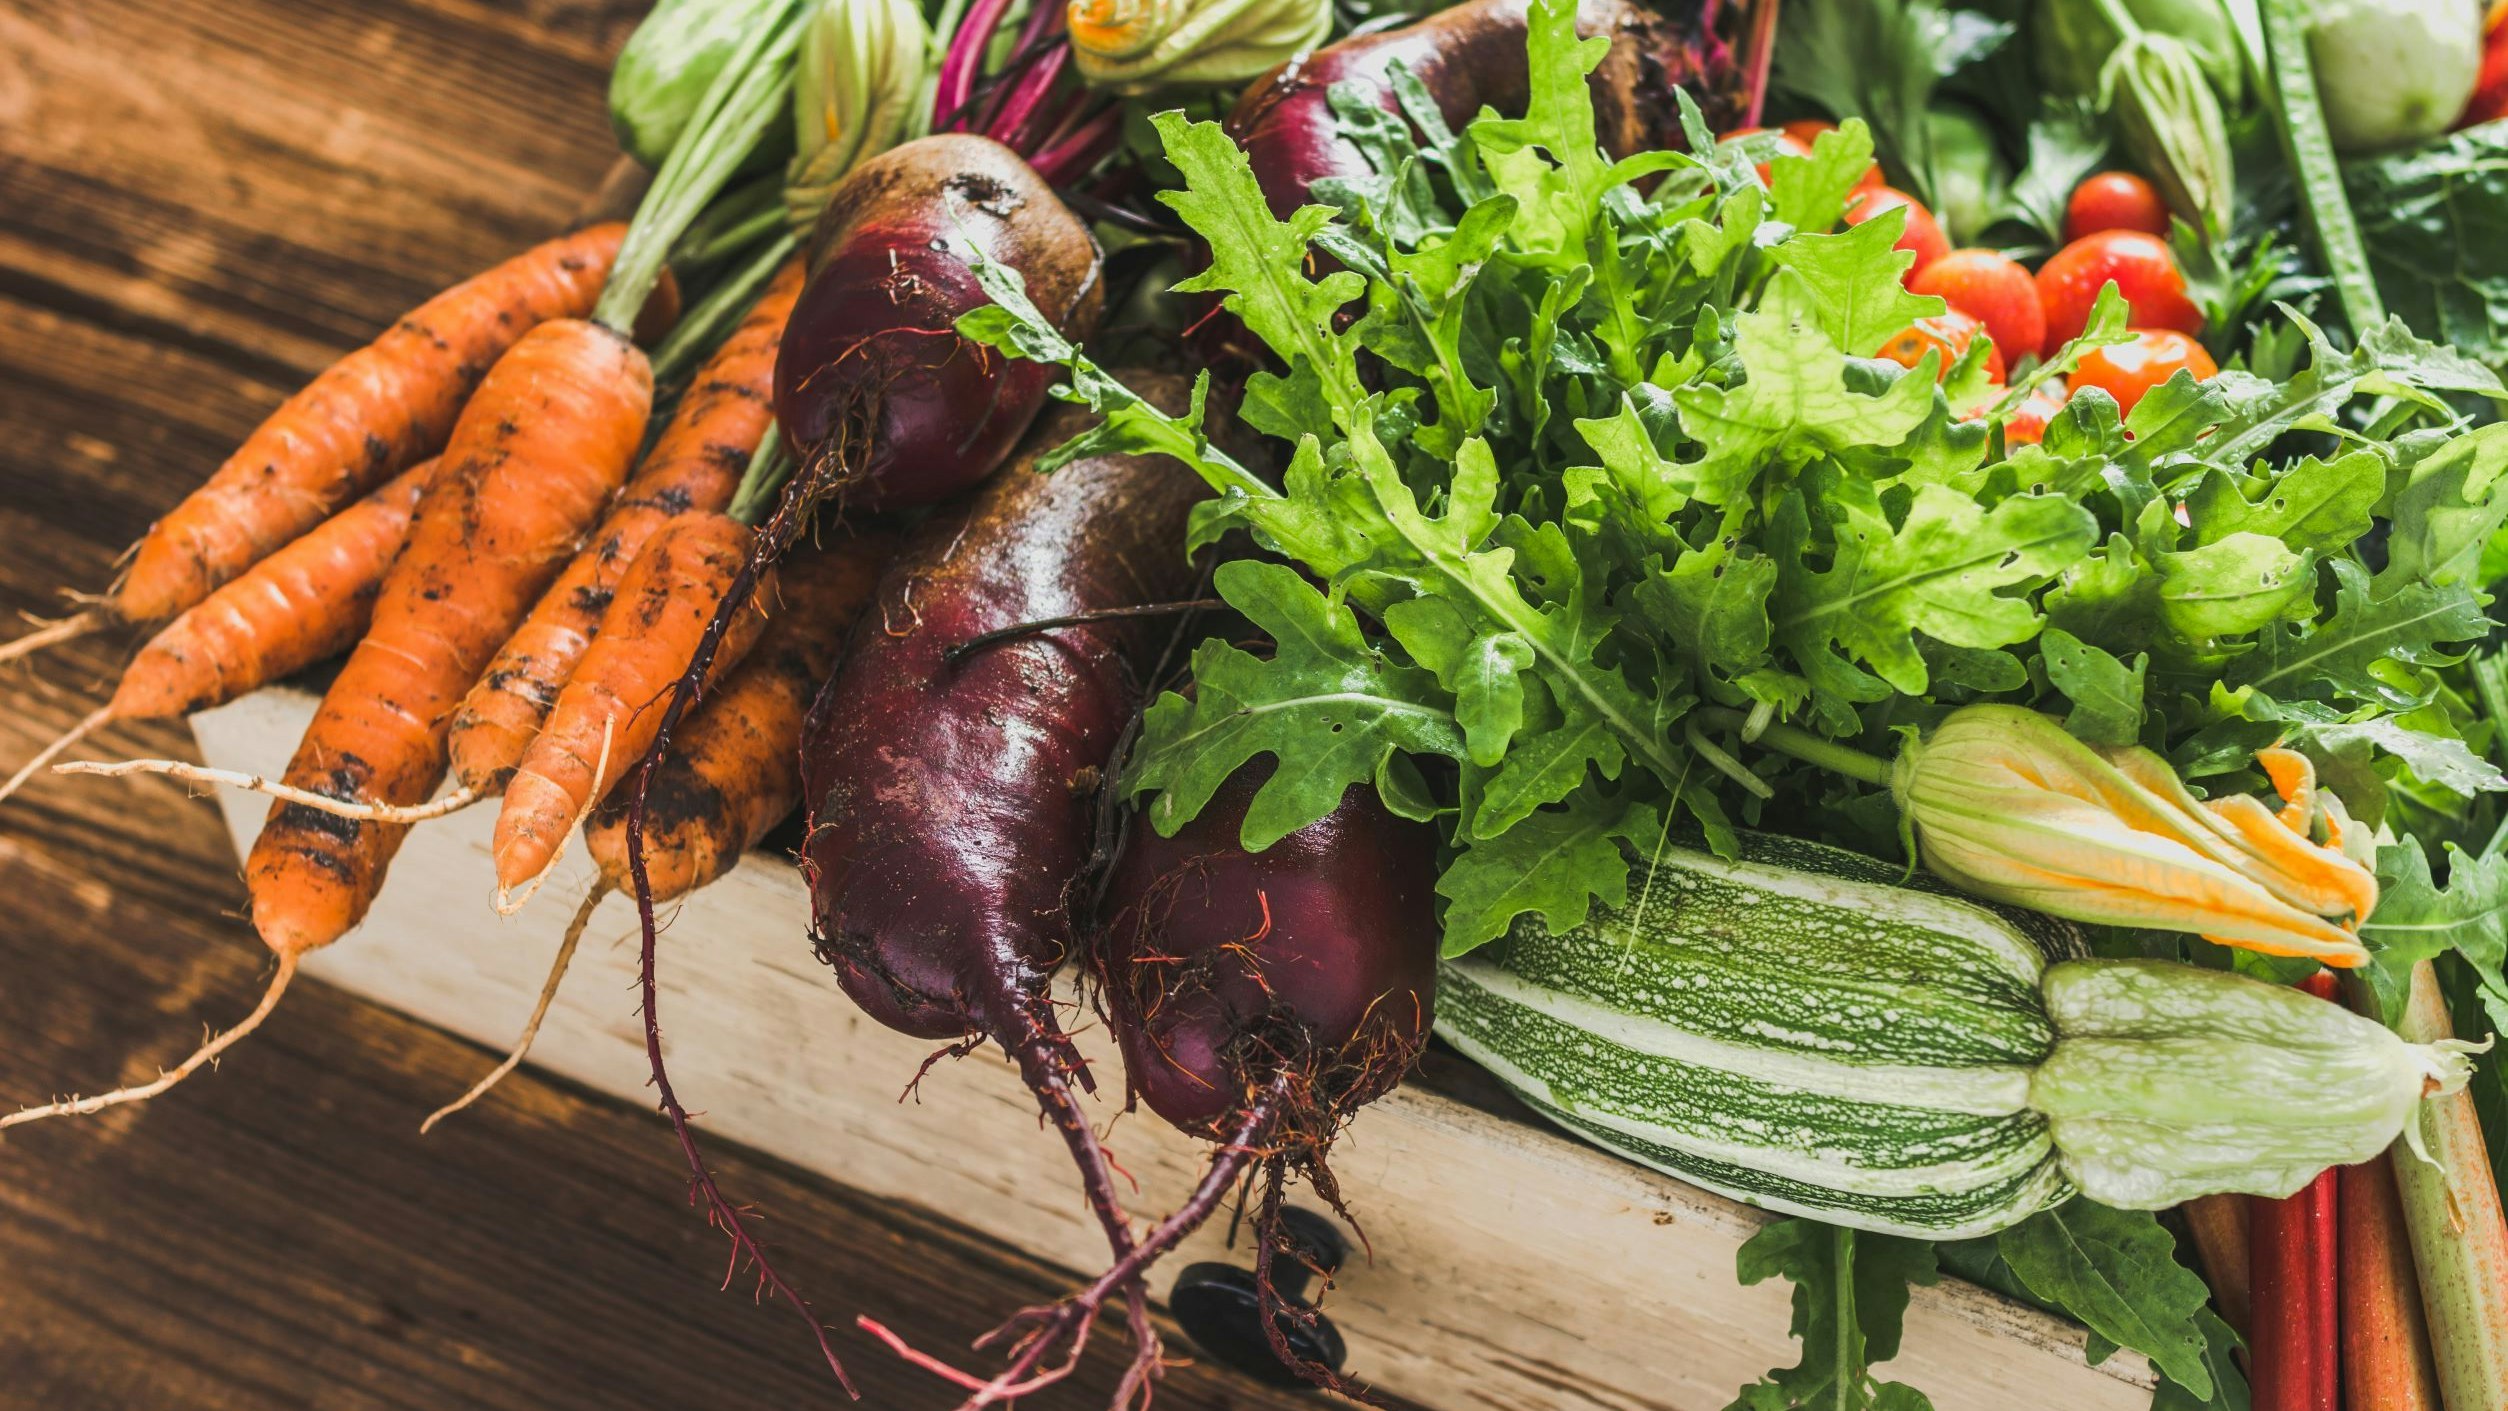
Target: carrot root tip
50	634
539	1011
453	802
53	751
508	900
206	1054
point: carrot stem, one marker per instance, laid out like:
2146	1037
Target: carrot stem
2459	1239
701	328
752	92
762	484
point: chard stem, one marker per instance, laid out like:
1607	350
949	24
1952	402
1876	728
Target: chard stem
2459	1238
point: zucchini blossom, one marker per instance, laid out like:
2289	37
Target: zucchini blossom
862	69
2006	805
1135	46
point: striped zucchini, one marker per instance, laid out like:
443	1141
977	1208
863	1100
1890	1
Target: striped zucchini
1799	1030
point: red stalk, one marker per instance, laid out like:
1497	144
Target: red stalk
2386	1344
2218	1224
2295	1329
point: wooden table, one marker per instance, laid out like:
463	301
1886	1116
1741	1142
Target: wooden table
201	203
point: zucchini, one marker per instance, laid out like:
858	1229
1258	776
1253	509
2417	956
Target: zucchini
1799	1030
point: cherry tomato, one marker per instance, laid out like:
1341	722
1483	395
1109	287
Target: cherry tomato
2127	370
1948	334
2114	200
1923	234
1807	131
2143	269
2027	423
1992	289
2489	102
1763	138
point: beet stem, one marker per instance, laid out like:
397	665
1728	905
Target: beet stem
799	496
977	643
965	57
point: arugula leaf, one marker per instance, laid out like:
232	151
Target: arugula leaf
1855	281
2379	627
2117	1271
2106	694
1850	1304
1794	402
2417	920
2314	506
1554	863
1327	706
2435	220
1942	572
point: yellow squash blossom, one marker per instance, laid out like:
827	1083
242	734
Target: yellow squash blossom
2007	805
1135	46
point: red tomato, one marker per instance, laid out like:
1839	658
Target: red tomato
2114	200
1948	334
2143	269
1807	131
1923	235
1786	144
2026	425
1995	291
2127	370
2490	92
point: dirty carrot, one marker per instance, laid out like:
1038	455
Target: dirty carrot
542	445
367	416
306	602
693	467
611	707
733	769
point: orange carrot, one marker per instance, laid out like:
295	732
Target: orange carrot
368	415
734	770
694	466
309	601
2386	1341
612	706
545	441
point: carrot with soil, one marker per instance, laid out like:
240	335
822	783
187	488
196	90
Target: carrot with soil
309	601
366	417
733	772
611	707
693	467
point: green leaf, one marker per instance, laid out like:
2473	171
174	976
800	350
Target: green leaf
2448	511
1793	403
1555	863
1850	1305
1258	263
2378	627
2416	919
1856	280
2231	587
1809	193
1943	572
2229	1385
1484	670
1326	705
2435	220
1713	607
2315	505
2117	1271
2106	694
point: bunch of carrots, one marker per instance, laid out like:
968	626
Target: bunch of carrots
469	508
2367	1290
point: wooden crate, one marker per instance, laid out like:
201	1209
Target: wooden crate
1514	1268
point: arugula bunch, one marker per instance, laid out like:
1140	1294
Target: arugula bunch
1593	478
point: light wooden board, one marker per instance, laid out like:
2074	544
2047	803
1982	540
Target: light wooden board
1513	1268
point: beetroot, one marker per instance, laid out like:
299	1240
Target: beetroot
1470	57
1261	999
950	796
885	404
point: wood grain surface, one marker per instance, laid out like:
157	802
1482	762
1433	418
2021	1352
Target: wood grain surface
201	203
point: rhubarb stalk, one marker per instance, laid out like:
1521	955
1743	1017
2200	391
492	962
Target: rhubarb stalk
2385	1343
2459	1239
2218	1225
